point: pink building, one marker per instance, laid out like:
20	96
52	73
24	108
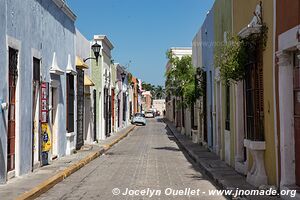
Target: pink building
147	100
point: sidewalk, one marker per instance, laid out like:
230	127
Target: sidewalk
43	178
224	176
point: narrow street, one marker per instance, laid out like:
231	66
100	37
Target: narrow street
148	158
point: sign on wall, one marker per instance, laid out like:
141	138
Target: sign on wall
46	138
46	134
44	102
44	117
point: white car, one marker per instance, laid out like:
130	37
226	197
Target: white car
139	118
149	114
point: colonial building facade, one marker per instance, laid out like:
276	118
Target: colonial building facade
250	124
54	96
33	93
286	72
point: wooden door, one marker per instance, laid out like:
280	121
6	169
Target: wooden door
113	108
105	113
11	132
95	113
297	117
80	108
109	114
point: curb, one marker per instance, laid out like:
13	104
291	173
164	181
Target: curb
194	157
206	171
60	176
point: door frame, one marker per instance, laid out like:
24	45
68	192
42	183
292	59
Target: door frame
53	89
37	54
15	113
15	44
36	117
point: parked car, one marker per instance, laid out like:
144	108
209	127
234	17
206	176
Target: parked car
149	114
157	113
138	118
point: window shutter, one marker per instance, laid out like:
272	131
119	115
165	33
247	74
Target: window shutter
255	102
261	103
70	103
36	69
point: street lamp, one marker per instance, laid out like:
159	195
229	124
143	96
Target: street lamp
123	75
96	49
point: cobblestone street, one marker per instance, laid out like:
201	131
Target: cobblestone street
148	158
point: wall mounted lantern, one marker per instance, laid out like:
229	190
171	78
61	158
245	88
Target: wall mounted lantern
96	49
123	75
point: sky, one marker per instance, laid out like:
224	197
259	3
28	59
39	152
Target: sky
142	30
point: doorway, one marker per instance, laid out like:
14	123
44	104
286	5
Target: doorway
296	84
54	103
204	108
109	114
95	113
11	132
113	109
35	112
80	109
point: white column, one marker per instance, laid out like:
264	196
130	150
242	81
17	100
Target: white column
286	110
240	165
218	116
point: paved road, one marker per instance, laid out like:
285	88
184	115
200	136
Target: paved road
148	158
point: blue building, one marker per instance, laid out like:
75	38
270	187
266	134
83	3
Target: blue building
37	44
207	34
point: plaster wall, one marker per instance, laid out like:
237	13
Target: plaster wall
42	27
242	15
208	66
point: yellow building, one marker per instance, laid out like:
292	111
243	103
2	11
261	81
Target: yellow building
254	97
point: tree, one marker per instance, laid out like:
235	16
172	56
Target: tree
147	86
181	79
157	92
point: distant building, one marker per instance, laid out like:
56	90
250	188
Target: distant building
175	115
159	105
146	100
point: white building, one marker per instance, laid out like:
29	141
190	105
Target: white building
180	117
159	105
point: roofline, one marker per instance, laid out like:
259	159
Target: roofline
181	48
105	39
66	9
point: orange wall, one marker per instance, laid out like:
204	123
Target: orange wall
135	95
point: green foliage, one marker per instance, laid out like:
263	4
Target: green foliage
200	83
147	86
157	92
233	56
181	79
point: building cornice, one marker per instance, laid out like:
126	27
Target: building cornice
65	8
104	39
